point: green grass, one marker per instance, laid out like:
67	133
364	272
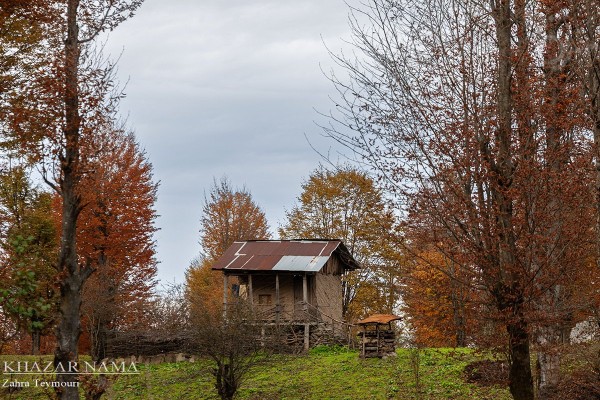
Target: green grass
325	373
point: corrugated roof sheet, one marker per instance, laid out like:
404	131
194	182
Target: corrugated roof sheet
301	263
379	319
283	255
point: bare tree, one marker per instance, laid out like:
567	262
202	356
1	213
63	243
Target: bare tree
231	341
465	110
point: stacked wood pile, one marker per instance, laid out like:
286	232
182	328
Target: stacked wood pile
377	343
123	344
377	339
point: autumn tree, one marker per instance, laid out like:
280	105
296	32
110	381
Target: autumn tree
227	215
60	107
200	278
584	27
437	304
345	204
115	234
23	26
468	112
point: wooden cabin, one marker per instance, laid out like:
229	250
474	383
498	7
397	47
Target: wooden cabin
293	282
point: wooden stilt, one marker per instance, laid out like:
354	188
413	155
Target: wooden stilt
225	293
277	304
305	295
306	336
250	294
305	309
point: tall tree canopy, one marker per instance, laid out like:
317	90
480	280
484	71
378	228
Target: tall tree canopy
438	303
115	235
345	204
58	108
227	215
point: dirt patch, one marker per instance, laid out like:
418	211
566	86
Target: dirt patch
487	373
579	385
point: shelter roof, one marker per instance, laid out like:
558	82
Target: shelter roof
379	319
302	255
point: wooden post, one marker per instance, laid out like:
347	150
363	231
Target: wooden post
277	310
378	346
225	293
306	336
364	339
305	308
305	295
250	294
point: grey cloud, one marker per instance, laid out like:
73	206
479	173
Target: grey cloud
225	87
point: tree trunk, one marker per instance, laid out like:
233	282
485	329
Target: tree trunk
549	336
508	288
99	342
67	336
521	381
71	274
104	308
458	309
35	341
592	74
548	360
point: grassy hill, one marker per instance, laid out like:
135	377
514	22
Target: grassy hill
325	373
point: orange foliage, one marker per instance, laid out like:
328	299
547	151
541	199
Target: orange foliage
435	304
115	232
346	204
228	215
204	286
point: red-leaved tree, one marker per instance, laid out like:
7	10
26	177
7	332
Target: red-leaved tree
115	235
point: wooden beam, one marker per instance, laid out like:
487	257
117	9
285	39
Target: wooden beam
277	305
364	340
306	337
378	344
305	293
305	308
225	293
250	294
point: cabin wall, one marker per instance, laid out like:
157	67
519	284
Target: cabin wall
324	295
328	289
264	296
333	266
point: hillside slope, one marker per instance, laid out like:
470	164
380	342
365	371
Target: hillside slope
325	373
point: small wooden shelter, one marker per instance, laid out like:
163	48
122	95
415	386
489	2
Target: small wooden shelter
377	339
293	282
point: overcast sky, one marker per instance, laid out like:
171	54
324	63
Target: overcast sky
226	88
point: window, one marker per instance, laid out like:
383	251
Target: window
264	299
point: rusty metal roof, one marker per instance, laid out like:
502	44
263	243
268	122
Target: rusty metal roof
379	319
283	255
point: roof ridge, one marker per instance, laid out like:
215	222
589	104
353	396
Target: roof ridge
289	240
